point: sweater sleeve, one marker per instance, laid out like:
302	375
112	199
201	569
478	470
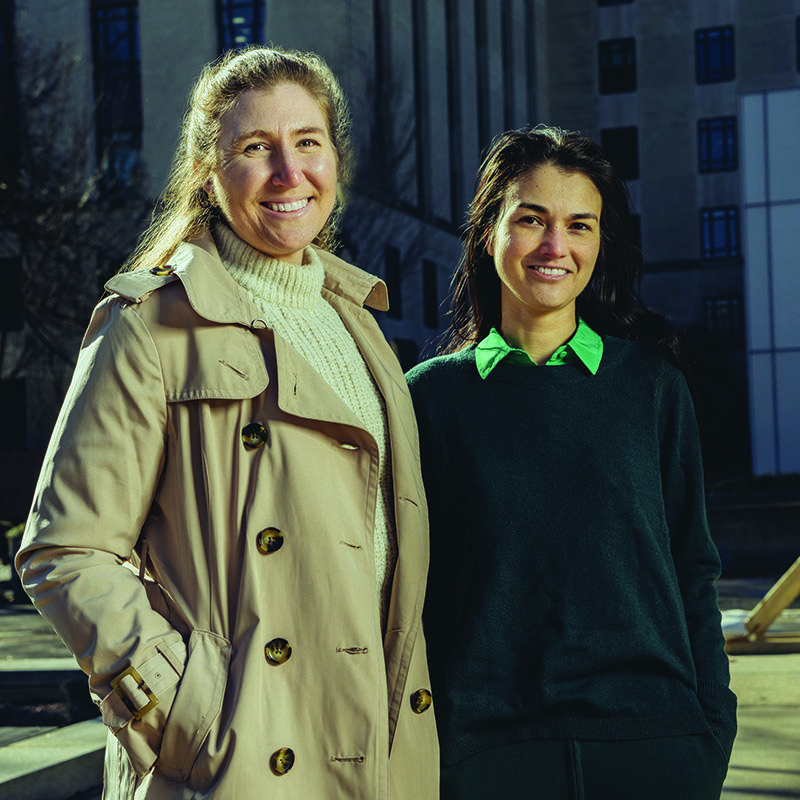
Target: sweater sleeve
94	492
696	560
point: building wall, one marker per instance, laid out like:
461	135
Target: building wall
448	75
670	190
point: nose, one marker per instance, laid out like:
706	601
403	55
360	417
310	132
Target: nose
554	242
286	168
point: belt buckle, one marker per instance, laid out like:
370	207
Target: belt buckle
152	700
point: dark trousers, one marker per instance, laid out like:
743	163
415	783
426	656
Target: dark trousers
667	768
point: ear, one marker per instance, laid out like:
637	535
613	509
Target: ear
488	241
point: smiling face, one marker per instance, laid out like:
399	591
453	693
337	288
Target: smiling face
275	181
545	244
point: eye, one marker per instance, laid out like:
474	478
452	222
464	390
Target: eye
308	144
581	226
529	220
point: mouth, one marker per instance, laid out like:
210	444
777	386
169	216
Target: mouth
287	207
549	272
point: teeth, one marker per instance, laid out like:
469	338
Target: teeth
551	270
295	206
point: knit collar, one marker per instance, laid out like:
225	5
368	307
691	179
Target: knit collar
267	279
585	346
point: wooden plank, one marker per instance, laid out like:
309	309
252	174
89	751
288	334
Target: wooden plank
778	598
772	643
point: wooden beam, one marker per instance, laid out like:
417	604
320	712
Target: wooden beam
778	598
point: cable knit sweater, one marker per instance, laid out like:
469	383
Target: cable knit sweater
290	298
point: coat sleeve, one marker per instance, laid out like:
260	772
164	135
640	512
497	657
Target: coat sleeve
696	560
95	490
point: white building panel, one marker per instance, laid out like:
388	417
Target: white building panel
787	369
783	142
785	263
753	159
762	414
757	279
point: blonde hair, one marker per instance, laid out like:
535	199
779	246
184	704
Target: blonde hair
183	211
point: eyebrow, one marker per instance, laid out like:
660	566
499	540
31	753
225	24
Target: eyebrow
259	133
543	210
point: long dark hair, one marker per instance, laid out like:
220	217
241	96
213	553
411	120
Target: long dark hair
610	303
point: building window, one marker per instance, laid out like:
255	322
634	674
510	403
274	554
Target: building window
9	142
508	22
13	417
717	144
621	146
617	66
456	152
421	107
531	68
239	22
714	54
797	41
723	321
394	284
482	73
117	87
719	231
10	293
430	295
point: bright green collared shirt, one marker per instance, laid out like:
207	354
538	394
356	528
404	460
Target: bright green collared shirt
585	346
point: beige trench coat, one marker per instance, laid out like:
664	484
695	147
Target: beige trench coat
257	551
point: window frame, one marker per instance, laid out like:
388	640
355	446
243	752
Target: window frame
616	63
9	99
628	170
117	87
707	41
723	320
726	128
718	220
227	38
797	41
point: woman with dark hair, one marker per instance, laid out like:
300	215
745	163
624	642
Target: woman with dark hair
574	636
230	529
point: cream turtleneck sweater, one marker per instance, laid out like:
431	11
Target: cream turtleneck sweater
289	296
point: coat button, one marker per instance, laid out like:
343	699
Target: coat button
277	652
281	761
421	701
254	435
162	272
269	540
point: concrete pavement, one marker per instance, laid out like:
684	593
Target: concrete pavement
41	759
766	754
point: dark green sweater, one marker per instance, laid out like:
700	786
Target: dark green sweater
571	585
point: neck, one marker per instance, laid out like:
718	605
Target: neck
539	335
270	280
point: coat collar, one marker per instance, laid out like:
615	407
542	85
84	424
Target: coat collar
216	296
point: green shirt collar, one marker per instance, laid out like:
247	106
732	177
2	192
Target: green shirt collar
585	346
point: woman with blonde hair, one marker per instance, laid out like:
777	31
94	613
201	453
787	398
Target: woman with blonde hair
230	531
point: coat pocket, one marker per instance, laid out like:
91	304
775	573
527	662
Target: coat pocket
197	703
